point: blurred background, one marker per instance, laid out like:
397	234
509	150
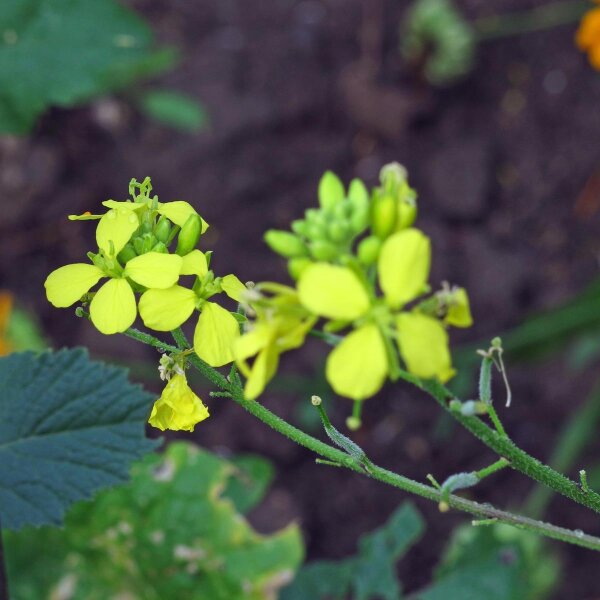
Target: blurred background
239	108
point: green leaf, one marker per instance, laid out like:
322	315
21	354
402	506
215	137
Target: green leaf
167	534
174	109
249	481
68	427
64	52
371	573
495	562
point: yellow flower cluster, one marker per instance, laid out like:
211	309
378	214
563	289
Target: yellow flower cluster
133	255
587	37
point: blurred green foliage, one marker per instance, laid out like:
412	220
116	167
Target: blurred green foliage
174	109
68	427
171	533
66	52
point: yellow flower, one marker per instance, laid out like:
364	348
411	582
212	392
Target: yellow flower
216	330
359	365
178	408
6	304
113	307
281	324
587	37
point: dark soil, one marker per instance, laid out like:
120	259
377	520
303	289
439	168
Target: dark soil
501	160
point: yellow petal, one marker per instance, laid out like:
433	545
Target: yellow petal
178	408
253	341
215	334
86	216
358	367
113	307
116	226
403	266
233	287
154	269
194	263
333	292
263	370
423	344
66	285
165	310
178	212
459	311
123	204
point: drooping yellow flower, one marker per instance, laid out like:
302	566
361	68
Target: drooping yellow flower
281	324
178	408
587	37
113	307
359	365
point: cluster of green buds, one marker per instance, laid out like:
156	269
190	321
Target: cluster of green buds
360	265
329	232
145	247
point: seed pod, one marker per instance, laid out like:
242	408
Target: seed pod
189	235
162	229
296	267
285	243
126	254
322	250
368	250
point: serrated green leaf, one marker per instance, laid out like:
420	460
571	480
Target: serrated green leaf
371	573
174	109
68	427
167	534
249	481
63	52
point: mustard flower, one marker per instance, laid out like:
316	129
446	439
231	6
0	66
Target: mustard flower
178	408
359	365
217	329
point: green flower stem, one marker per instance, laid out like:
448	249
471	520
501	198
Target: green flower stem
425	491
543	17
493	468
493	415
505	447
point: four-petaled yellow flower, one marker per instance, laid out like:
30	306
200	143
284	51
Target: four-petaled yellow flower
359	365
587	37
178	408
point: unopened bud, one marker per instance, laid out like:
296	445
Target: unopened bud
161	248
162	230
338	231
353	423
443	506
126	254
331	190
148	242
189	235
296	267
368	250
285	243
315	400
384	214
321	250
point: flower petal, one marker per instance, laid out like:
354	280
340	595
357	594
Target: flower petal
66	285
116	226
253	341
263	370
154	269
403	266
333	292
459	311
233	287
178	212
165	310
215	334
113	307
194	263
123	204
423	344
178	408
358	367
86	216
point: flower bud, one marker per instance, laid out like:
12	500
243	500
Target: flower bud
368	250
322	250
296	267
299	227
338	231
331	190
162	230
285	243
383	215
407	212
359	219
148	242
358	194
138	245
127	254
160	247
189	235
